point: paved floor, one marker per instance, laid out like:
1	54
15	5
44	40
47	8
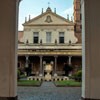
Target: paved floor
48	91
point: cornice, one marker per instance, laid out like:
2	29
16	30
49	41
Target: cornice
64	53
39	16
50	25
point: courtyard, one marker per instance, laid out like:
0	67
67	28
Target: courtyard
48	91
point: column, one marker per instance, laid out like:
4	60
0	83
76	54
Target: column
27	65
41	67
27	61
55	66
90	49
69	60
8	49
44	63
32	68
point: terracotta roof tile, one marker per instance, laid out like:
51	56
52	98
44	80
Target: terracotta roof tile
20	35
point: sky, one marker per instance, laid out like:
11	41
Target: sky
34	8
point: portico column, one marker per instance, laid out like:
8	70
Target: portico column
69	60
8	49
26	63
90	49
41	67
55	66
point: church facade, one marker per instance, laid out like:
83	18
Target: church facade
48	39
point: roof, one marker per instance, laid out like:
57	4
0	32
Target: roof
48	11
20	36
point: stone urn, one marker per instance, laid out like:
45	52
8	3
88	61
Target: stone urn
48	70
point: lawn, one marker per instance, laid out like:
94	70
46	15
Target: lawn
28	83
68	83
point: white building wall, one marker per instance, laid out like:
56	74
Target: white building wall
68	33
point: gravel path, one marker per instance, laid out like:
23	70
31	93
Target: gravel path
48	91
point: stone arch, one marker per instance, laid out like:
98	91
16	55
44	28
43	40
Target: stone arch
91	49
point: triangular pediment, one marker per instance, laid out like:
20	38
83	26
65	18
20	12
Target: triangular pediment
48	18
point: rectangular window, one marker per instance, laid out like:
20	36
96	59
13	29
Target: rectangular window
36	37
48	37
61	37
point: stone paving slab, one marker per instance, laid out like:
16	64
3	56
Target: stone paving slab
48	91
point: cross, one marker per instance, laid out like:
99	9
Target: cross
48	4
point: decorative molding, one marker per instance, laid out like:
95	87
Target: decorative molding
42	29
50	25
51	13
48	19
55	29
71	53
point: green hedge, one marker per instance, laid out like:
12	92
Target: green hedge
77	76
28	83
71	83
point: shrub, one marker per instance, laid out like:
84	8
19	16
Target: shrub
67	69
18	74
78	75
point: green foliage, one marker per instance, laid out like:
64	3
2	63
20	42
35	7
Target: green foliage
18	74
68	83
67	69
29	83
78	75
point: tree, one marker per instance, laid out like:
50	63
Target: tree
67	68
